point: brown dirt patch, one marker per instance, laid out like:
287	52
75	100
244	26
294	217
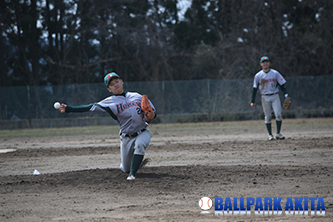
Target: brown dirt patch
80	179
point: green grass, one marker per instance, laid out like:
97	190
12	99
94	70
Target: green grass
65	131
315	123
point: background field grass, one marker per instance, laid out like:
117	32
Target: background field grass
223	127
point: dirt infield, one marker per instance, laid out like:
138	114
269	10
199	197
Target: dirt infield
80	181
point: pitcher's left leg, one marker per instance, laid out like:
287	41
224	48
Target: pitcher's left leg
141	143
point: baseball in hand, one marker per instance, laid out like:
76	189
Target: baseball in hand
56	105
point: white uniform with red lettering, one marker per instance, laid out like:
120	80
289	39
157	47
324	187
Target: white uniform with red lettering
126	110
268	85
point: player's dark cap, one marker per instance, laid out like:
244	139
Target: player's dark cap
264	58
109	77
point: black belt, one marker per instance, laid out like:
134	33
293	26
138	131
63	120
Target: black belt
132	135
270	94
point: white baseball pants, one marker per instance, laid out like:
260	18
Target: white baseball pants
131	146
269	102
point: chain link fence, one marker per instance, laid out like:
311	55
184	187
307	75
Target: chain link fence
175	101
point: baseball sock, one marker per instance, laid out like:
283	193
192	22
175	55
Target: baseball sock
278	126
269	128
136	162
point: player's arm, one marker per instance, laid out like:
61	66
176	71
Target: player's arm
94	107
256	84
287	101
281	83
81	108
284	90
253	98
64	108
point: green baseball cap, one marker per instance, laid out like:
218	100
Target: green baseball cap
264	58
109	77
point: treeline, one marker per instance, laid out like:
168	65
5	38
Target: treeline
56	42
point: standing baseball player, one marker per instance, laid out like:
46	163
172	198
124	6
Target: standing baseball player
125	109
268	81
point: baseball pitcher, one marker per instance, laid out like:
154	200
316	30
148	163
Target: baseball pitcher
130	110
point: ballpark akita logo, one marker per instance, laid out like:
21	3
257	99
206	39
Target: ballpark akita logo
265	206
205	203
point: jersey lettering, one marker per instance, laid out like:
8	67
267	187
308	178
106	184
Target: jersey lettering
122	107
126	110
268	82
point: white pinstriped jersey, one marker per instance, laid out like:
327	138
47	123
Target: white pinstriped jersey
268	82
126	110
